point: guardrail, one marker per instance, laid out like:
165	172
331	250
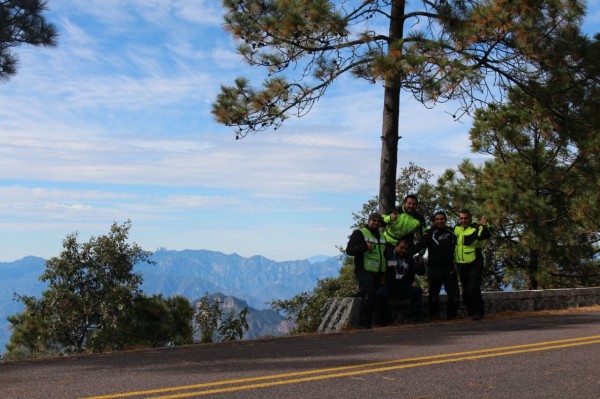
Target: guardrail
342	313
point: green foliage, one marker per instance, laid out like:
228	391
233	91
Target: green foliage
534	190
180	320
232	327
90	286
213	327
90	300
306	309
22	22
436	51
540	189
447	56
207	318
413	180
159	322
457	190
28	339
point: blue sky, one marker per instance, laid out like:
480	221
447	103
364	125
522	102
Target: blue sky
115	124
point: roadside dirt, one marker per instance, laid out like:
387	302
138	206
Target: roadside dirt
514	315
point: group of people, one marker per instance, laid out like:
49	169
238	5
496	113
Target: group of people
386	261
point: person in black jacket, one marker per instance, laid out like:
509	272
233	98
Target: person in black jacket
440	242
398	283
367	245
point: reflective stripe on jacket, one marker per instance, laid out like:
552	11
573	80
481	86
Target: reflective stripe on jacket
375	258
468	242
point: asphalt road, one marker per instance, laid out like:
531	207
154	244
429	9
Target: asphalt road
539	356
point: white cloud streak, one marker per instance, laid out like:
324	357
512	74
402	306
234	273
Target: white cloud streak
115	123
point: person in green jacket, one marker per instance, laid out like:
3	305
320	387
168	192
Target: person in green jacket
368	247
404	222
468	256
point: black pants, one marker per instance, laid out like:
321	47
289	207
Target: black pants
398	290
445	275
368	283
470	279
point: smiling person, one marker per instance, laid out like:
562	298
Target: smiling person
440	242
468	255
368	246
398	283
404	222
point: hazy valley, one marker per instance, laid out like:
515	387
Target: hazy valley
253	281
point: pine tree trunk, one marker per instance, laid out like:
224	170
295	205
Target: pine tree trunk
390	128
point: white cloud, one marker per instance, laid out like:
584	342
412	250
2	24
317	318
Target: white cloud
206	12
200	201
115	123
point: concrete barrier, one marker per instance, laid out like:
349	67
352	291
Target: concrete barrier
340	313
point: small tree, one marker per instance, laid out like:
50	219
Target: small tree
232	327
157	321
91	289
181	316
29	338
207	318
211	324
22	21
306	309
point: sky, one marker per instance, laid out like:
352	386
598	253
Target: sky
114	124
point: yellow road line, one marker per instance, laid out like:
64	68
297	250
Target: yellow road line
371	368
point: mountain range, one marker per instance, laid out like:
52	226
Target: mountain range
239	281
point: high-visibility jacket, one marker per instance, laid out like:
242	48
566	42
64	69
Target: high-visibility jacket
469	242
404	226
374	259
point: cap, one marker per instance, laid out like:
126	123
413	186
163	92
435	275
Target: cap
375	215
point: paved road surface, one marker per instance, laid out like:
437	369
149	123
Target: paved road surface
548	356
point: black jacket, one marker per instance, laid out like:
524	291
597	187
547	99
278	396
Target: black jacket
357	246
440	244
405	267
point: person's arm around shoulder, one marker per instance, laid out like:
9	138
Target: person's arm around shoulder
422	244
424	227
356	244
454	238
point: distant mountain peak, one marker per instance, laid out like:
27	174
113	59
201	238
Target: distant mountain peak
319	258
252	282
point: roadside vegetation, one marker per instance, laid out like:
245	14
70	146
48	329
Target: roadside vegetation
523	69
94	304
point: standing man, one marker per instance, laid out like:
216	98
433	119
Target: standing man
398	283
404	222
367	245
468	255
440	242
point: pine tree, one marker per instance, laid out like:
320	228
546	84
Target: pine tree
440	50
22	22
534	188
